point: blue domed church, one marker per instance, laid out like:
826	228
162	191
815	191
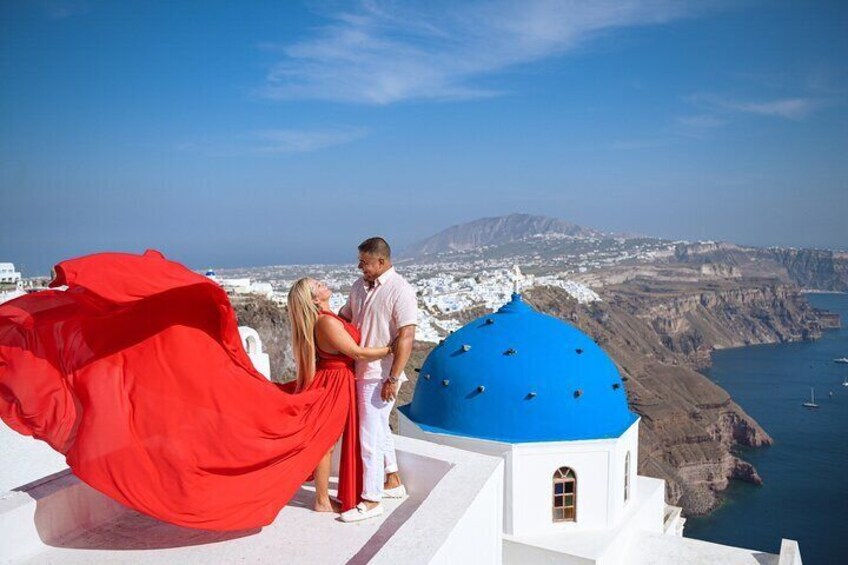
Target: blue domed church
539	393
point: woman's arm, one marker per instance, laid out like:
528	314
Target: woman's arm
332	337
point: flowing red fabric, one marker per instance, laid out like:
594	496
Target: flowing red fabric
138	375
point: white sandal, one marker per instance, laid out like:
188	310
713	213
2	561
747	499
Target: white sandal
361	512
396	492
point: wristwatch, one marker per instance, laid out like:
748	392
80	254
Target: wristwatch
391	379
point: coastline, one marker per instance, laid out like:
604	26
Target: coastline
772	383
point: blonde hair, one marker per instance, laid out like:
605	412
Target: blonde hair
303	313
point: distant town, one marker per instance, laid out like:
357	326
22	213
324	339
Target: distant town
452	283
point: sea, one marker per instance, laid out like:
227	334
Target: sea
805	492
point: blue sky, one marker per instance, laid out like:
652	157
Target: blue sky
249	133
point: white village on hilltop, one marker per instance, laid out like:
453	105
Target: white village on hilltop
518	448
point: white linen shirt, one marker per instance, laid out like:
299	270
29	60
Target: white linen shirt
379	312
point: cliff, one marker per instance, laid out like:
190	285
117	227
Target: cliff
812	269
694	319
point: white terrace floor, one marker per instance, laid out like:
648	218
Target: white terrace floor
60	520
297	535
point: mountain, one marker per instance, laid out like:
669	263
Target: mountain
496	231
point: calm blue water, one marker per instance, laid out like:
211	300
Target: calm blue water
805	495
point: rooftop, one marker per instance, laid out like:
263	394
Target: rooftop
61	520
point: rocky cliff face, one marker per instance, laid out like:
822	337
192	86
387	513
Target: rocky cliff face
692	320
814	269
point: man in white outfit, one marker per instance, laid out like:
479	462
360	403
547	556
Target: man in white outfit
384	307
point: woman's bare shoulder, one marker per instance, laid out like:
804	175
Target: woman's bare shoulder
326	322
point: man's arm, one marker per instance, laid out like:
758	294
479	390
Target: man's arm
402	351
345	311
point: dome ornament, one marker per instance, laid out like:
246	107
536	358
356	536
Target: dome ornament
445	382
578	393
466	347
481	388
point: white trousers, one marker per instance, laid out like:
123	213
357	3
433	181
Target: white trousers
375	437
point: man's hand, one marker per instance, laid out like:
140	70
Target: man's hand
389	391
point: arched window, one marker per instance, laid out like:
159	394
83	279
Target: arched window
627	477
565	495
250	345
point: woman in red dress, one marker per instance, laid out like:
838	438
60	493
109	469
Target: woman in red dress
136	373
325	347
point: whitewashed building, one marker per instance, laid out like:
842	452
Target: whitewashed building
8	274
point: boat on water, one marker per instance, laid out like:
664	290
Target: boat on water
843	360
845	381
812	402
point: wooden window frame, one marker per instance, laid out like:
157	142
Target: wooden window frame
561	510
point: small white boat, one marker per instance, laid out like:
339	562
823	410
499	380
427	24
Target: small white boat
845	381
812	402
843	360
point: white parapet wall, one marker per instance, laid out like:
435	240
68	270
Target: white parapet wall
24	459
790	553
253	347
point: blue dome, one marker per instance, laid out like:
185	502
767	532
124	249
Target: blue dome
520	376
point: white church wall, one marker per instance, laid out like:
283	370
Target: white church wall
533	468
615	545
628	442
528	477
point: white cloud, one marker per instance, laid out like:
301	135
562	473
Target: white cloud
386	52
275	141
788	108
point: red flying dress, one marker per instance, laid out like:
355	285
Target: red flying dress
137	374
